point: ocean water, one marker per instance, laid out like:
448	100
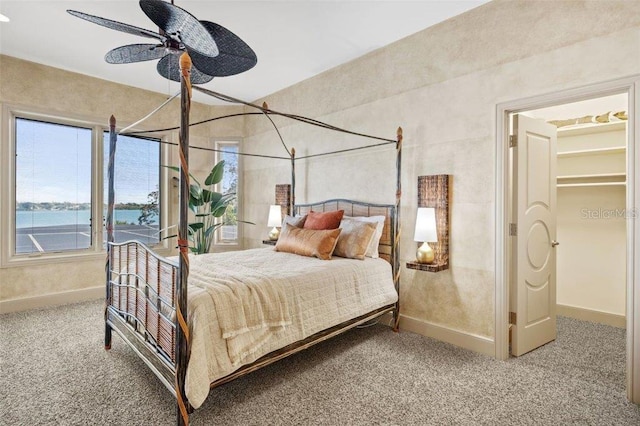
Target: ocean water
27	219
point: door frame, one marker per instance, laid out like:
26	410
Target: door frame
630	86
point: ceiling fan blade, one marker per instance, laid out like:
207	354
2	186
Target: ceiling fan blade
118	26
135	53
235	55
177	22
169	67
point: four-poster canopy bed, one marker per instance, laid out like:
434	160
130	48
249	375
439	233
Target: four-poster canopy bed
233	321
148	305
244	309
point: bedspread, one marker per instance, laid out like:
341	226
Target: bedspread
249	305
287	298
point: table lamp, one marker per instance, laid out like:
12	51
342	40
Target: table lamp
275	220
425	233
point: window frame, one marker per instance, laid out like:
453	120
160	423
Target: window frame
8	255
218	144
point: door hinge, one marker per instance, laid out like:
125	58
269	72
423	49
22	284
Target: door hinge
513	318
513	141
513	229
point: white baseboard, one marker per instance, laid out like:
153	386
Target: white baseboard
591	315
51	299
472	342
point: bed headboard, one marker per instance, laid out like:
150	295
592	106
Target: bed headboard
358	208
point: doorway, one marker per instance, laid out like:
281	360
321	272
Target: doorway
631	88
591	212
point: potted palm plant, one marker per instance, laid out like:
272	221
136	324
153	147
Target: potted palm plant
209	208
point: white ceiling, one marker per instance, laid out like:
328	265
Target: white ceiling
294	40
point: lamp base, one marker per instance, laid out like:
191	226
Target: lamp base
274	234
425	254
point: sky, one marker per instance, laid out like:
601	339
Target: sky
53	164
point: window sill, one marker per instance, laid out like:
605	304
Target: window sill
23	261
47	259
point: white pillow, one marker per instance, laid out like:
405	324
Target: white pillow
372	250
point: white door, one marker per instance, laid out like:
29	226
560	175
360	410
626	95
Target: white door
533	289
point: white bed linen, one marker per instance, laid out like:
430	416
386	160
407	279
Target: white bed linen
319	293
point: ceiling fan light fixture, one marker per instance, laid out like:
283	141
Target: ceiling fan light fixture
214	50
182	25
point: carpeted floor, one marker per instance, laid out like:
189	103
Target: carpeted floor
54	370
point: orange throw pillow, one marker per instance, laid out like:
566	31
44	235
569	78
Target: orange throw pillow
326	220
308	242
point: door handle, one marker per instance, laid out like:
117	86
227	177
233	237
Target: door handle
554	243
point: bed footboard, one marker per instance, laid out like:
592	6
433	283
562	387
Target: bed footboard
141	305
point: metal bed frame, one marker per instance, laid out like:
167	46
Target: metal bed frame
146	294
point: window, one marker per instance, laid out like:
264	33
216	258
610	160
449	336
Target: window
137	181
228	151
52	187
54	178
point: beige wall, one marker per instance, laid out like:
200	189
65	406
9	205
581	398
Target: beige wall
70	95
442	86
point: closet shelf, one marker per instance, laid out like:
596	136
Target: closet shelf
591	128
594	175
577	185
595	151
603	179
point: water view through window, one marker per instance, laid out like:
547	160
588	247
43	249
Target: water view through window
137	189
53	187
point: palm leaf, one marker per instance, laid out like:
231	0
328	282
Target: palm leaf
219	211
216	174
196	226
211	196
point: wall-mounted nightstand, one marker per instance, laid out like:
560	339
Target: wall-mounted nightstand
433	195
429	267
269	242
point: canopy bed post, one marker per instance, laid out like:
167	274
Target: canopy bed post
396	230
113	137
182	330
292	199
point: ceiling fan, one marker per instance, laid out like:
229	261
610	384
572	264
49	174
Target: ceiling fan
214	50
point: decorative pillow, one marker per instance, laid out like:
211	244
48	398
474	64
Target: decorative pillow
354	239
307	242
297	221
326	220
372	251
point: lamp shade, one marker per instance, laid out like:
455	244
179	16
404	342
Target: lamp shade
275	216
426	225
